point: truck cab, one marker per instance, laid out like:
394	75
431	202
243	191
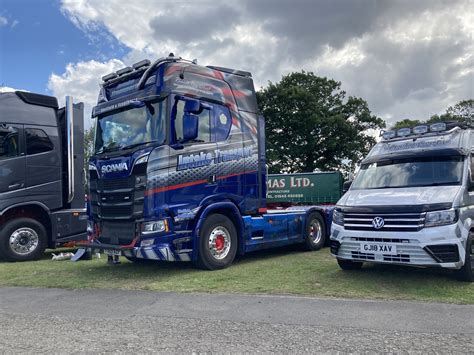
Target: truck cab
412	202
178	171
41	169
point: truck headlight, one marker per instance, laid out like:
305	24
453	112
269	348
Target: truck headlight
154	226
439	218
338	217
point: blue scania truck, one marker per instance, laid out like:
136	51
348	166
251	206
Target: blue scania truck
178	171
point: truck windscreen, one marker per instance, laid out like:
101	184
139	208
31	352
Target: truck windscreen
131	127
410	172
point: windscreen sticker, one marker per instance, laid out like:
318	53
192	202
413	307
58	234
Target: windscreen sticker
418	144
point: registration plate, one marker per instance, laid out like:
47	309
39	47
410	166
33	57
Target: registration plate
113	252
378	248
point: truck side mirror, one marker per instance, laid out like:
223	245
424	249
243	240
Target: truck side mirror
192	106
346	185
190	127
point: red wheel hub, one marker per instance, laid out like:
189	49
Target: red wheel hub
220	241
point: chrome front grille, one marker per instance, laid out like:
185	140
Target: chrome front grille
399	222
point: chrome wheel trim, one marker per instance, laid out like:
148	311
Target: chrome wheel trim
315	231
24	241
219	242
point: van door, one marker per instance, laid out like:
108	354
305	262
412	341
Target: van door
12	158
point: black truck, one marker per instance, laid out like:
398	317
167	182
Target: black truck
42	201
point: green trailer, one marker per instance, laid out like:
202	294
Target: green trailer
305	188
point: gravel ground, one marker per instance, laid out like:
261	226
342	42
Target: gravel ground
48	320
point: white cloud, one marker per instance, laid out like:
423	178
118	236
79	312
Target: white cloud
81	81
7	89
408	60
3	21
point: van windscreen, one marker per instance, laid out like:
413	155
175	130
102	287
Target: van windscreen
410	172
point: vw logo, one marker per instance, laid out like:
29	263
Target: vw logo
378	222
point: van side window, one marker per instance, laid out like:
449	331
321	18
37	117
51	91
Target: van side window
37	141
9	142
204	123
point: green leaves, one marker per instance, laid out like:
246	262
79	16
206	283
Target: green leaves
311	126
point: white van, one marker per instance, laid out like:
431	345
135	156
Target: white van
412	202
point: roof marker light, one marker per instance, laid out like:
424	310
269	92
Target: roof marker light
141	64
124	71
388	134
420	129
109	76
438	126
403	132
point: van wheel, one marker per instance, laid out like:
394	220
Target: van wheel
349	264
315	232
466	273
217	243
22	239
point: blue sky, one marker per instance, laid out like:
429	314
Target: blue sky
38	39
407	59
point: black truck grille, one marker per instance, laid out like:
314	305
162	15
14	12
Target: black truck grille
117	199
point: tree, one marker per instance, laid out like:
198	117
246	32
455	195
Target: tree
463	111
88	147
406	123
310	126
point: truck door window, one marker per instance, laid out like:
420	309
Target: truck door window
223	122
37	141
204	127
9	142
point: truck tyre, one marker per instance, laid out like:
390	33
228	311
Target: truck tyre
349	264
466	273
217	243
315	232
22	239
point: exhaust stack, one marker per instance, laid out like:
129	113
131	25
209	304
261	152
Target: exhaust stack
70	146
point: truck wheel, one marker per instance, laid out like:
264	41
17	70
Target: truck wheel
349	265
217	243
22	239
315	232
466	273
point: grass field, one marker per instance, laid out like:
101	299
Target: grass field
277	271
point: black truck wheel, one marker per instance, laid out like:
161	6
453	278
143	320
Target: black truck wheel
217	243
22	239
349	264
466	273
315	232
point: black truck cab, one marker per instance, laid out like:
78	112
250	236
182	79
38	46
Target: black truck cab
41	174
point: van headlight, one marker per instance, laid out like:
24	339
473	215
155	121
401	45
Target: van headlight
440	218
154	226
338	217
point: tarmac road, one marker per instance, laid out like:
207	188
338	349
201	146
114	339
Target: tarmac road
53	320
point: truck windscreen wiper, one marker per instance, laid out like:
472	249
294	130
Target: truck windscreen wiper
130	146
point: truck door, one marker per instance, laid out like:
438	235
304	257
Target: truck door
230	160
192	176
43	165
12	159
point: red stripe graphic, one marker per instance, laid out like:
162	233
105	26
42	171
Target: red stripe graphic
191	183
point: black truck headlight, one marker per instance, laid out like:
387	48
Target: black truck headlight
338	217
440	218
